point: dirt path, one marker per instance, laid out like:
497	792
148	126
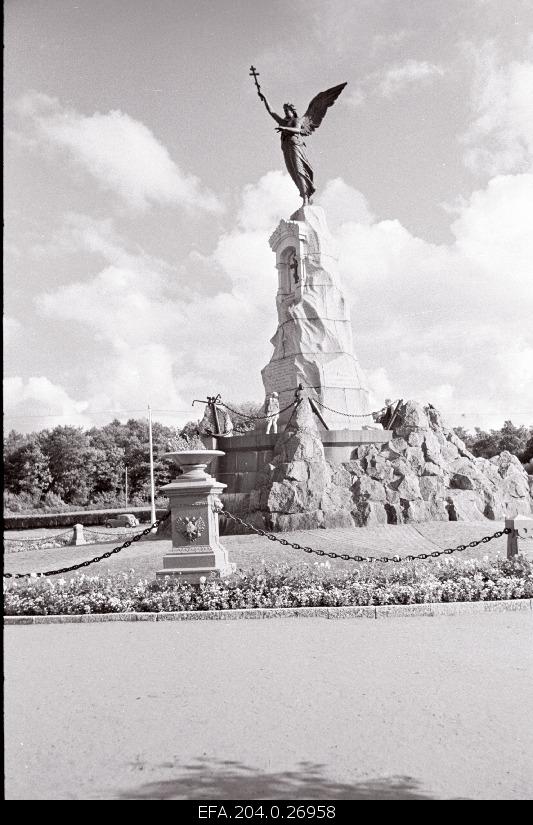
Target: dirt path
412	708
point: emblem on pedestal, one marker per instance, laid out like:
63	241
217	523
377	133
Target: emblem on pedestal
191	528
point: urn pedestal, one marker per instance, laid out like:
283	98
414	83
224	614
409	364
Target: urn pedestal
193	496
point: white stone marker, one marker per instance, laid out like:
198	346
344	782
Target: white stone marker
196	549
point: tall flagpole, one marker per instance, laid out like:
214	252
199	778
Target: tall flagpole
152	492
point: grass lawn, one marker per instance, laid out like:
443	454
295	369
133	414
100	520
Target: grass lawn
251	552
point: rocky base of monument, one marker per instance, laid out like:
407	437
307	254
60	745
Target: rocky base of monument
425	473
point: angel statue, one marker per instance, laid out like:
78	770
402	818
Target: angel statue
293	129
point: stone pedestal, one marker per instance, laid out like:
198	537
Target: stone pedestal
313	343
193	496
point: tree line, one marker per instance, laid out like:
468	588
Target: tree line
69	467
486	444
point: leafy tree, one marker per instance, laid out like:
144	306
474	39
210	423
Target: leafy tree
527	455
72	462
513	439
485	444
14	440
245	425
489	444
189	433
465	436
133	439
27	468
109	466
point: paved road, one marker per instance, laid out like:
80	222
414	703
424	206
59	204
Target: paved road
410	708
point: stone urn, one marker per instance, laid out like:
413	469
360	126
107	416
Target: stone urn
193	464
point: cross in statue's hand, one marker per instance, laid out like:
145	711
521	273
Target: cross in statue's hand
255	74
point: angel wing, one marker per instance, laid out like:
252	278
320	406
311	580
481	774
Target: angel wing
318	108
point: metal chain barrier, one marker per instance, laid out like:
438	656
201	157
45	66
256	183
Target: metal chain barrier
107	555
255	417
107	536
346	557
39	539
346	415
288	407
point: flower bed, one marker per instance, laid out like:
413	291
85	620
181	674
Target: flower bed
277	586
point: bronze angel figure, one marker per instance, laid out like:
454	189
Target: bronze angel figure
293	129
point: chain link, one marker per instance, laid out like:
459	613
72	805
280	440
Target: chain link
346	415
107	555
288	407
345	557
38	539
108	536
255	417
271	537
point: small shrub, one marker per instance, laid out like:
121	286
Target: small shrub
18	502
52	503
276	586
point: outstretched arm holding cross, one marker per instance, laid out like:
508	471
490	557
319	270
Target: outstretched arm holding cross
272	114
255	74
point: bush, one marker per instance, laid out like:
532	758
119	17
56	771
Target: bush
18	502
275	587
106	501
52	503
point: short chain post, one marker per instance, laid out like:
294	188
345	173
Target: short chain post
512	539
518	528
79	538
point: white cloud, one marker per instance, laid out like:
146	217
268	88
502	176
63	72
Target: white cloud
264	203
449	323
494	233
145	337
398	77
356	98
500	139
381	386
121	153
37	403
393	80
344	204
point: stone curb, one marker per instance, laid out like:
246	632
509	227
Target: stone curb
377	612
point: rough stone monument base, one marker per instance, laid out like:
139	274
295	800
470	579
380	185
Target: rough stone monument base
424	473
245	456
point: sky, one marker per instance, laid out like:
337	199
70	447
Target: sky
143	179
